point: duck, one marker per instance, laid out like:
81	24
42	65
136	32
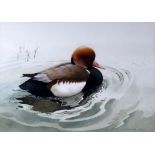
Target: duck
81	74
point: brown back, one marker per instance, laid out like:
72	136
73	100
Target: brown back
66	73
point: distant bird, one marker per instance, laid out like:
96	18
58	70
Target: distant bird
67	79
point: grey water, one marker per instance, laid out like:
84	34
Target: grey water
124	102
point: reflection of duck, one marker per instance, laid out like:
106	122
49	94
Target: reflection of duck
66	79
43	105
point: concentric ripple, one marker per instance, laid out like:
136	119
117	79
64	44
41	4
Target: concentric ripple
108	107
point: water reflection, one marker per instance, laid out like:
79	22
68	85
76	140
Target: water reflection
42	105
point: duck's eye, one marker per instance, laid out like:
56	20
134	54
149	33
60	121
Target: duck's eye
89	59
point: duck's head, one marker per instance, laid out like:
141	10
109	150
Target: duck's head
85	57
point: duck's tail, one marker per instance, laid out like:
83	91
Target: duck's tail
30	75
36	88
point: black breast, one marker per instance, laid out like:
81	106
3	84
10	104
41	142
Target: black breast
95	79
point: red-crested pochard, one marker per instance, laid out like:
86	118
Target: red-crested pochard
67	79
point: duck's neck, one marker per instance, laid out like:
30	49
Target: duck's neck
72	61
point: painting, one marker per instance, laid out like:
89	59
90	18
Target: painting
77	76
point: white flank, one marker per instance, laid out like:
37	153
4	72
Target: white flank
67	89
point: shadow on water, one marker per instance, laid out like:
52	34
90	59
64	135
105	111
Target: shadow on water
41	104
